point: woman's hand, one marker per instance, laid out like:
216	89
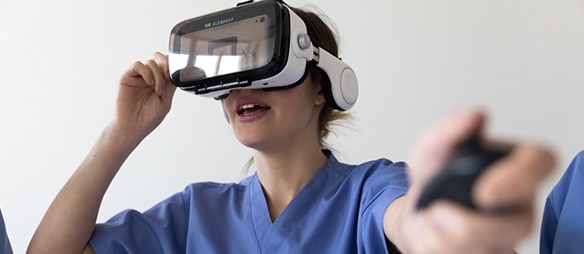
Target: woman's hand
446	227
144	97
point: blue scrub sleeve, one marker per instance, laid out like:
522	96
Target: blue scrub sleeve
161	229
549	225
562	225
382	188
5	247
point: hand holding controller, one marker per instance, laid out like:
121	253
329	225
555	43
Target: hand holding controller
456	180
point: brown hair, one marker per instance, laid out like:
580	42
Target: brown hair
321	35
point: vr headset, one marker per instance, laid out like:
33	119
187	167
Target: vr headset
255	45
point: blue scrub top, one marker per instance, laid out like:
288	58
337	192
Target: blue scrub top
562	228
5	247
340	210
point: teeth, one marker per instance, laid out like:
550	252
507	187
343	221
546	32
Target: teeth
247	106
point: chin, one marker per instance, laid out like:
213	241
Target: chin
256	136
251	141
258	143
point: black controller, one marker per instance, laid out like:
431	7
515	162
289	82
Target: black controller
456	180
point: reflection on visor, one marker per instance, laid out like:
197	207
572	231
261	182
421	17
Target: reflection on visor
238	46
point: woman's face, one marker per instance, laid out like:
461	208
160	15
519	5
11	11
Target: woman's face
268	120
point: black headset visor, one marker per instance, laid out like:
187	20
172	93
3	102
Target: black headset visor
229	48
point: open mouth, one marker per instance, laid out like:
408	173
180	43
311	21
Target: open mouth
248	109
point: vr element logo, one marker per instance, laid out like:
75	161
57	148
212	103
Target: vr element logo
218	22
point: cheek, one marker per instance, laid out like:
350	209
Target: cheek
300	96
298	107
226	108
224	111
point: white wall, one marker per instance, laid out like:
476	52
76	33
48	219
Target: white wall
522	60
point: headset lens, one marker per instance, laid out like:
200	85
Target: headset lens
224	44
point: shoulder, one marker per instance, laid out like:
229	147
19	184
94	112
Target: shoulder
577	163
215	189
379	169
372	177
572	172
570	184
364	168
216	186
382	164
578	160
576	167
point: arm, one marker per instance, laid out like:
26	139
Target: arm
445	227
144	99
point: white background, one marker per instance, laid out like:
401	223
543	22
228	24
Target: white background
521	60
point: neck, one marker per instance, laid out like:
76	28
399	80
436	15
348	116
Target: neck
283	174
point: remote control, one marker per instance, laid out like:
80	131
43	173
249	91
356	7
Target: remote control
456	180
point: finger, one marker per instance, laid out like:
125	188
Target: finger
463	228
159	80
513	181
162	61
437	143
169	87
138	69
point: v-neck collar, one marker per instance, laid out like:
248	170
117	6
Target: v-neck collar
291	217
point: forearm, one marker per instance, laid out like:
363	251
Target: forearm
392	224
69	222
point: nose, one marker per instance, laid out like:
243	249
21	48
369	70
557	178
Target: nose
229	98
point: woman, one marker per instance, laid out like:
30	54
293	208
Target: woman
301	200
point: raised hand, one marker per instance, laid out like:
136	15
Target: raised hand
144	97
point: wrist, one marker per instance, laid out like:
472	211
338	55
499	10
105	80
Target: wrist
121	139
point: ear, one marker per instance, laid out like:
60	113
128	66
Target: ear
319	98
